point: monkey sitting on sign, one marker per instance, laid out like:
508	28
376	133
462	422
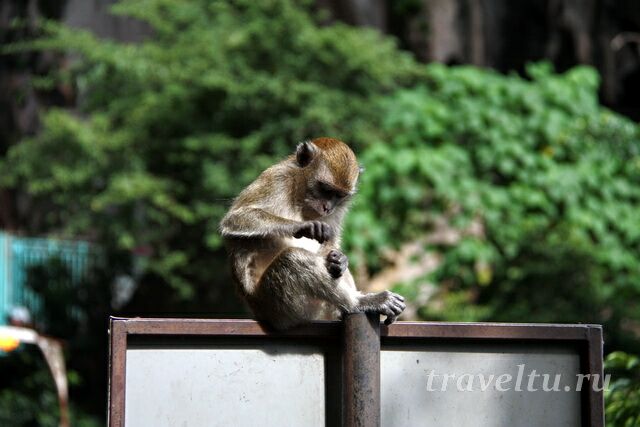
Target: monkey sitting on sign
283	231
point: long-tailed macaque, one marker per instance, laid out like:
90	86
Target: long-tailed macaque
283	237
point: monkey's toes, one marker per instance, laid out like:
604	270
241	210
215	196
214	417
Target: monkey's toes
393	304
390	319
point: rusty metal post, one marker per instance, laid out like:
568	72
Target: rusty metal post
361	370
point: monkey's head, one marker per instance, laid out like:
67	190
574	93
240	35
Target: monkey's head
330	171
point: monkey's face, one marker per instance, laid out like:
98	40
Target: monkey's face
330	172
324	198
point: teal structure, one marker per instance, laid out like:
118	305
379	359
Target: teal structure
17	254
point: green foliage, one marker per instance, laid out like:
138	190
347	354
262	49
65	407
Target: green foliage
18	407
28	396
623	395
171	129
551	177
166	133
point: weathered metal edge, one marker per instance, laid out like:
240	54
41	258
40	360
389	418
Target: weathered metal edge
590	335
117	372
498	331
246	327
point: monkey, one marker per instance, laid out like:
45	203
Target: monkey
283	235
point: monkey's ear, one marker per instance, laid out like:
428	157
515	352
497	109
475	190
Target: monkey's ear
305	152
360	169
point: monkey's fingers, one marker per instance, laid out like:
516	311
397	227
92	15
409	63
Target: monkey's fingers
336	256
327	232
322	231
337	263
315	230
308	229
302	232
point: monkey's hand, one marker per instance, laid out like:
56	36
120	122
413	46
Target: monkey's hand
315	230
388	303
337	263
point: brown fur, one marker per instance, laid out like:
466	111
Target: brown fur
341	162
279	260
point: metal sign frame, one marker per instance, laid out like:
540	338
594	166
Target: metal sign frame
361	339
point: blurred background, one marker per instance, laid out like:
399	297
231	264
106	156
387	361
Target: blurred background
500	142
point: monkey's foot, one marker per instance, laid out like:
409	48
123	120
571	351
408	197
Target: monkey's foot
337	263
388	303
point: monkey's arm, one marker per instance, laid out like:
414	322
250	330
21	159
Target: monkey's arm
255	222
258	223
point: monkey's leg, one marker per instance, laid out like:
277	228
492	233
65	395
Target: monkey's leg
289	289
386	302
287	292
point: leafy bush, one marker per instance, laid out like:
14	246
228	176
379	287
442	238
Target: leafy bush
548	175
166	133
623	396
169	130
172	128
28	396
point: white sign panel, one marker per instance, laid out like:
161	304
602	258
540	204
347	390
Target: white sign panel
279	385
474	385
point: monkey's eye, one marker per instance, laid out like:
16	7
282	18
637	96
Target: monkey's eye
326	191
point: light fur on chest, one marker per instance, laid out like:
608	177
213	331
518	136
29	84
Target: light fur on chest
261	259
304	243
